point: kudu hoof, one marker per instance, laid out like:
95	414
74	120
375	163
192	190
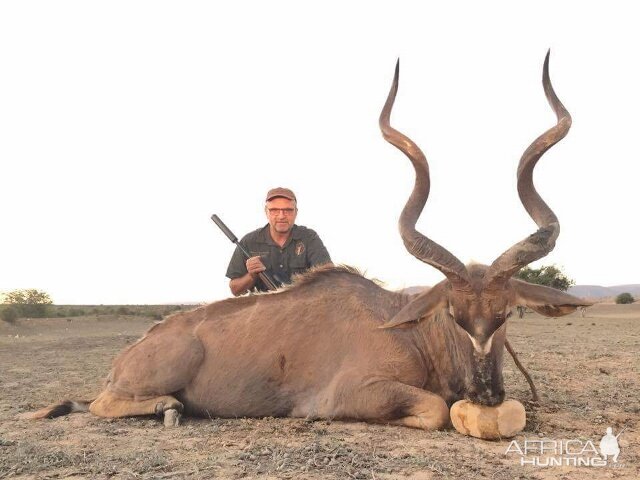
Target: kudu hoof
490	423
172	418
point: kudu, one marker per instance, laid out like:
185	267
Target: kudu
337	345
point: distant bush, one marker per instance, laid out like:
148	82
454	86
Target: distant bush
625	298
123	311
67	311
9	314
29	302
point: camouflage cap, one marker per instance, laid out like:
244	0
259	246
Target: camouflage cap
281	192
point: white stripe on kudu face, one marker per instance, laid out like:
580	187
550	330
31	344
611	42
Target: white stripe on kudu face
481	348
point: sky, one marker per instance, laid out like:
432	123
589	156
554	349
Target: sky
125	125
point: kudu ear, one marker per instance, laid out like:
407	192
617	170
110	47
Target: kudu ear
420	307
545	300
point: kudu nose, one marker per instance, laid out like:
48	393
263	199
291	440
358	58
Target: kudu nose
486	397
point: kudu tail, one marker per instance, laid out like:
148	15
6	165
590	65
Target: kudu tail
59	409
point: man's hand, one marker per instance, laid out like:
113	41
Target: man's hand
241	284
255	266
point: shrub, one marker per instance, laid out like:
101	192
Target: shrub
625	298
9	314
35	310
549	275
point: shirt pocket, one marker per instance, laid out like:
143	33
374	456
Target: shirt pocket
264	256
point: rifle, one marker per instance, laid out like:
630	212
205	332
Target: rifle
264	276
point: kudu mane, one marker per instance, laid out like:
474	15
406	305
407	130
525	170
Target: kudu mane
318	284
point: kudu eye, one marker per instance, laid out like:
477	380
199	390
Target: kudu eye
503	316
500	318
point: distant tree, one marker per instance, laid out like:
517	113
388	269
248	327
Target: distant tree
29	302
625	298
548	275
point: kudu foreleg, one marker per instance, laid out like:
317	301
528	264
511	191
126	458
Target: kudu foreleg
392	402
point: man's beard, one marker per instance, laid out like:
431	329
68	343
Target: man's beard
282	227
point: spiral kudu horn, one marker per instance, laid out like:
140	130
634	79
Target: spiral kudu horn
543	241
417	244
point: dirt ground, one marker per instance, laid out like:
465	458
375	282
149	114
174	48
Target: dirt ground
587	371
